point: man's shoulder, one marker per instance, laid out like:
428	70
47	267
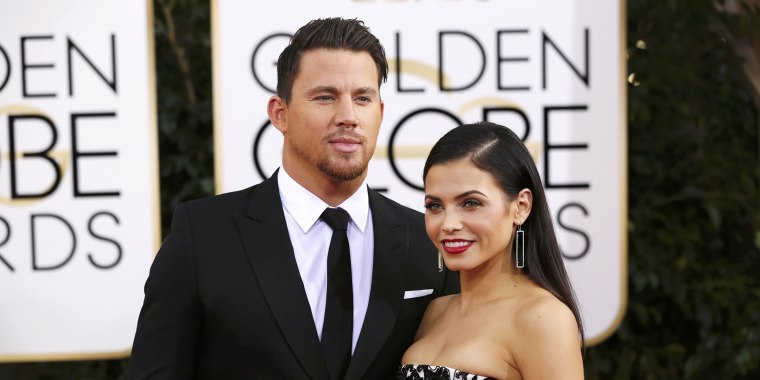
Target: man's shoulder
221	203
378	200
218	200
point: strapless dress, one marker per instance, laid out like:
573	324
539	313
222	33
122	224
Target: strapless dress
432	372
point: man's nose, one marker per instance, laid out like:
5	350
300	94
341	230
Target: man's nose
346	114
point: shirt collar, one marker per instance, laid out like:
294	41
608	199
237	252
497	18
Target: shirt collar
306	208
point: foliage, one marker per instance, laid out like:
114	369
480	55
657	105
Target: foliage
183	67
694	200
694	188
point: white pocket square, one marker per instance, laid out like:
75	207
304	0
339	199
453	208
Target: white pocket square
417	293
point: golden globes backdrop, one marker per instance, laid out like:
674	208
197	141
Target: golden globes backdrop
78	176
552	70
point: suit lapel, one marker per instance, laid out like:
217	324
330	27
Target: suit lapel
265	236
386	295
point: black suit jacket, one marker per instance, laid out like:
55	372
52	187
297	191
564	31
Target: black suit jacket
225	300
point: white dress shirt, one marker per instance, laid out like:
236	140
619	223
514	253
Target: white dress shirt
310	238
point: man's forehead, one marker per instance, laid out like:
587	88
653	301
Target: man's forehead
323	57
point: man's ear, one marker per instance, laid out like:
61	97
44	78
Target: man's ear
278	113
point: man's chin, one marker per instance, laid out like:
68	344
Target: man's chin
344	172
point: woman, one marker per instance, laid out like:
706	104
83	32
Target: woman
516	316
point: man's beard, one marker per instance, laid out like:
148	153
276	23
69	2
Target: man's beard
341	168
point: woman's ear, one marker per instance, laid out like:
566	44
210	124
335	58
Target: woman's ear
524	202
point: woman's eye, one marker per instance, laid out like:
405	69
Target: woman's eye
470	203
432	206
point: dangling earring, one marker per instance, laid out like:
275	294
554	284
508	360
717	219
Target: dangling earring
440	262
520	247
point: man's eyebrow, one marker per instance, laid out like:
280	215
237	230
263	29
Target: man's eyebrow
334	91
318	89
365	91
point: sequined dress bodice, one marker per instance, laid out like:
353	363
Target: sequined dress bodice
431	372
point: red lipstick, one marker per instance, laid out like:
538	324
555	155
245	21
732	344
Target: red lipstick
456	246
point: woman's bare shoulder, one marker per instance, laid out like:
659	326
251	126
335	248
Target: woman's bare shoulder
440	303
543	309
548	339
434	311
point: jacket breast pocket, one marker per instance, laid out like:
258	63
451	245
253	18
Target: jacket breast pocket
415	307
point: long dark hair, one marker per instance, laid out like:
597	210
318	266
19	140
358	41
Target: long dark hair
498	151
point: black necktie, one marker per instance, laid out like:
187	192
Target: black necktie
337	330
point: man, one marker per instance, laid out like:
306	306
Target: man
244	287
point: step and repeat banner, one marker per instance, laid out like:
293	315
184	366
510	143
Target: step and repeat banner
79	212
551	70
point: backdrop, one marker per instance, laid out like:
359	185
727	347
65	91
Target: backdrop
556	78
78	176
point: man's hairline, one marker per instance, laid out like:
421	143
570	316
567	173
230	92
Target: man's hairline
298	68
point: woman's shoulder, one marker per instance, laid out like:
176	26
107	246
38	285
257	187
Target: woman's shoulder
434	311
532	316
541	336
439	304
544	326
543	313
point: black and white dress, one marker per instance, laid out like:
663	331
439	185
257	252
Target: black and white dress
431	372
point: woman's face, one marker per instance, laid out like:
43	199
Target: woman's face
468	216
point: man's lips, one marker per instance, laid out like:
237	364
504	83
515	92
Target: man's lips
456	246
345	144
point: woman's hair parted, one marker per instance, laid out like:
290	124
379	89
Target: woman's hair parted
497	150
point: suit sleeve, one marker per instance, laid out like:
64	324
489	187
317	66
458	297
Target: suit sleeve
170	321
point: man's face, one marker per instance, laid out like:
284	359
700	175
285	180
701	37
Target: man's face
331	124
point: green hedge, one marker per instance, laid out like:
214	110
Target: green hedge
694	203
694	188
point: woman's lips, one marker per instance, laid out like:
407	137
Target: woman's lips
456	246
